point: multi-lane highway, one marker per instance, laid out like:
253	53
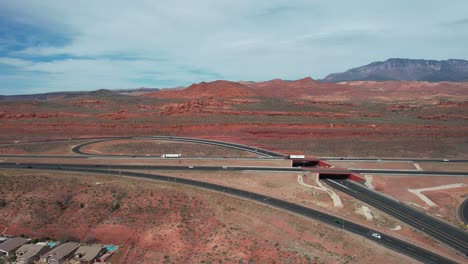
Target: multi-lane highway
394	159
390	242
31	165
412	172
444	232
148	167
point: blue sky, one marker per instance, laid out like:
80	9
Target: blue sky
56	45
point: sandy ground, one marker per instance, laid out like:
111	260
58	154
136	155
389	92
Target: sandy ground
429	202
285	186
366	212
336	199
159	147
159	222
373	165
369	181
446	200
445	166
43	148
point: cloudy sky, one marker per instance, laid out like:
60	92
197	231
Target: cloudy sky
53	45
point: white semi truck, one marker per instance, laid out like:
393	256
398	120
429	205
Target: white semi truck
171	155
296	156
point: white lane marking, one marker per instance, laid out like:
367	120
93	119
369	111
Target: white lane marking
418	192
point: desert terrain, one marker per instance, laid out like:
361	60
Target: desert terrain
385	119
159	222
165	222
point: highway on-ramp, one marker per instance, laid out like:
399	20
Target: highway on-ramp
390	242
464	212
258	151
444	232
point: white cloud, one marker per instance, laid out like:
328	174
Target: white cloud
239	40
15	62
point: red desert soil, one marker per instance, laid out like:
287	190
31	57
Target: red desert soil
286	187
156	222
90	103
41	148
404	91
159	147
22	115
394	119
305	88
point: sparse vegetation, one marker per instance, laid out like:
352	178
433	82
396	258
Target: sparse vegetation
191	218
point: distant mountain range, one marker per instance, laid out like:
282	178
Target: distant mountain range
390	70
405	70
56	95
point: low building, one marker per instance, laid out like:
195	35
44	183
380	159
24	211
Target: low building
89	254
60	254
29	253
9	246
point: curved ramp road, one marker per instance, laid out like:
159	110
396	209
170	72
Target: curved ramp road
259	151
464	213
390	242
447	234
444	232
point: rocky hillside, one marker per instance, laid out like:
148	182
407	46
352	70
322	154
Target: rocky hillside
216	89
406	70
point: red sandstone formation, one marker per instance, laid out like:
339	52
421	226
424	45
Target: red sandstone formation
216	89
19	115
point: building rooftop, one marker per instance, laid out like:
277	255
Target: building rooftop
12	244
29	250
61	250
88	253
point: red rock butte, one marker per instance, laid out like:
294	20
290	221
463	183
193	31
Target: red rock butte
216	89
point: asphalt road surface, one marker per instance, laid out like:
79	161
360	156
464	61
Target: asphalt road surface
393	159
259	151
217	168
444	232
390	242
147	167
464	212
412	172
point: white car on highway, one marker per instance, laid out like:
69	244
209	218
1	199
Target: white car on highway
376	235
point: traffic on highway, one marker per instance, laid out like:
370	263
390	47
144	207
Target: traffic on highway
443	232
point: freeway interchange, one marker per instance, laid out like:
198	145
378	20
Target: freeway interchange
443	232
